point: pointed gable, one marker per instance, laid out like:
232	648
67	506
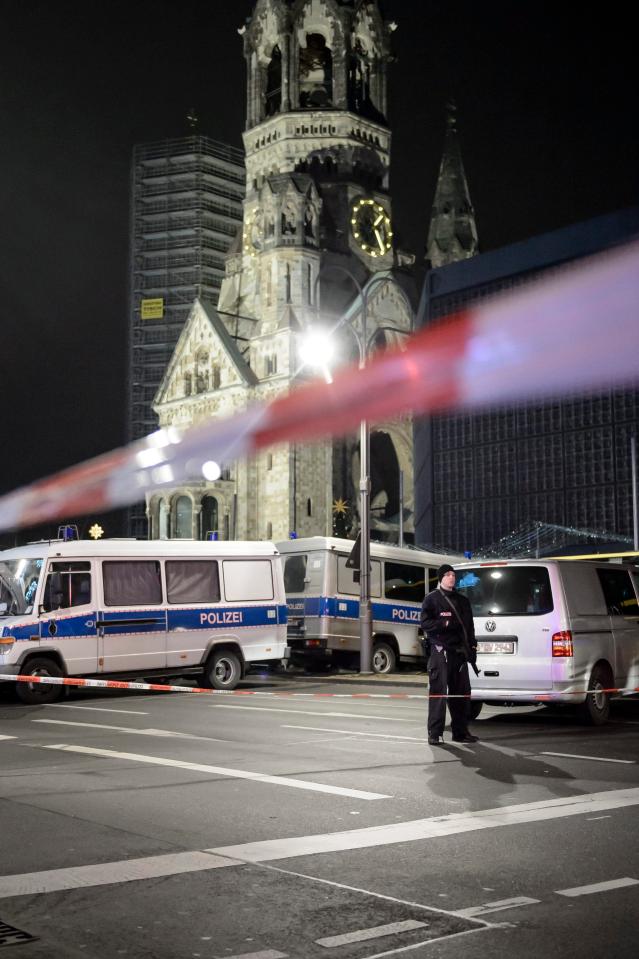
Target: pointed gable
206	358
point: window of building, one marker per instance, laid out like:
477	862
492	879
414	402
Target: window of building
132	583
309	507
192	581
270	363
209	515
68	584
269	461
215	378
183	518
269	530
188	384
404	582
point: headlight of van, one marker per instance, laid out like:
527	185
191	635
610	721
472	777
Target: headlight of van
6	642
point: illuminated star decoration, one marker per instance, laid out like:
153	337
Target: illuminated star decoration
340	506
96	531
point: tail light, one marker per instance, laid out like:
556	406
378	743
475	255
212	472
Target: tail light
562	643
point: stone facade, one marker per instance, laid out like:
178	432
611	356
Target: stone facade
316	247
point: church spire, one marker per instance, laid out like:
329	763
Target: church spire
452	234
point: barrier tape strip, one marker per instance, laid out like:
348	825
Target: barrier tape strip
574	331
165	688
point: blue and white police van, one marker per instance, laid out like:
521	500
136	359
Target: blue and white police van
117	608
322	593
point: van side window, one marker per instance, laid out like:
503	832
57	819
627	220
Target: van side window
295	573
620	597
404	583
348	583
68	584
132	583
247	579
192	581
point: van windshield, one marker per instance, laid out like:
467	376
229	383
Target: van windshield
19	580
506	590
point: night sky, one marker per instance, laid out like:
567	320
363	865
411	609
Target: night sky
546	114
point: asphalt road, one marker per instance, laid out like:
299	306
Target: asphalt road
285	822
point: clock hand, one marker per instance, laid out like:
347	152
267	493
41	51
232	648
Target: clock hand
379	219
380	241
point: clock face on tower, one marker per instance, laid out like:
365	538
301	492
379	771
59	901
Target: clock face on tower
371	227
253	232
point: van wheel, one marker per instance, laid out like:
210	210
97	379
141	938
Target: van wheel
475	708
384	659
39	694
223	671
596	709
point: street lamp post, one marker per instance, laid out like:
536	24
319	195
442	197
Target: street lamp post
365	609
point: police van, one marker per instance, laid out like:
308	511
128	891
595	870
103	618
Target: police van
562	631
136	608
322	593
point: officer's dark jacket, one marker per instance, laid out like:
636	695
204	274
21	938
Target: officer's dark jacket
440	625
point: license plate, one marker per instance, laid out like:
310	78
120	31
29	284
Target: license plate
496	647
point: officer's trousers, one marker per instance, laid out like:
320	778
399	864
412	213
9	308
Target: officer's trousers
447	673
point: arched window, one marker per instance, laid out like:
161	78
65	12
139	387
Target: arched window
316	73
273	96
183	515
163	520
209	515
187	384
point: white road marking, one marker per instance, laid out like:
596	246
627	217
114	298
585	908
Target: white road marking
308	712
598	887
96	709
103	874
496	906
433	828
596	818
164	733
264	954
597	759
8	737
223	771
363	935
156	866
356	732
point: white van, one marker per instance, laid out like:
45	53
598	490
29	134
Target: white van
322	593
135	608
552	630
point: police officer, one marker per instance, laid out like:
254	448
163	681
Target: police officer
449	632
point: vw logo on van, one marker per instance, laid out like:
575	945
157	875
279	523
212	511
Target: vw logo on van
490	625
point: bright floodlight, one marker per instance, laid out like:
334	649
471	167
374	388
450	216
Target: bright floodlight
316	348
211	471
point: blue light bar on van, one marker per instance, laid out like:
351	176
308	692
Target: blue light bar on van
67	533
292	534
213	535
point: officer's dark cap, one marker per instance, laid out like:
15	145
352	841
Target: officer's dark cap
441	572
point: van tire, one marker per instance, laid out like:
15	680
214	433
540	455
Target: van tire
596	708
223	670
38	694
475	708
384	658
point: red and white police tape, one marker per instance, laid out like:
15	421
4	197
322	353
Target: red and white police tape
166	688
576	331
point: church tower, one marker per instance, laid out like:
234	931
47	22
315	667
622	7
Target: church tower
452	234
316	246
